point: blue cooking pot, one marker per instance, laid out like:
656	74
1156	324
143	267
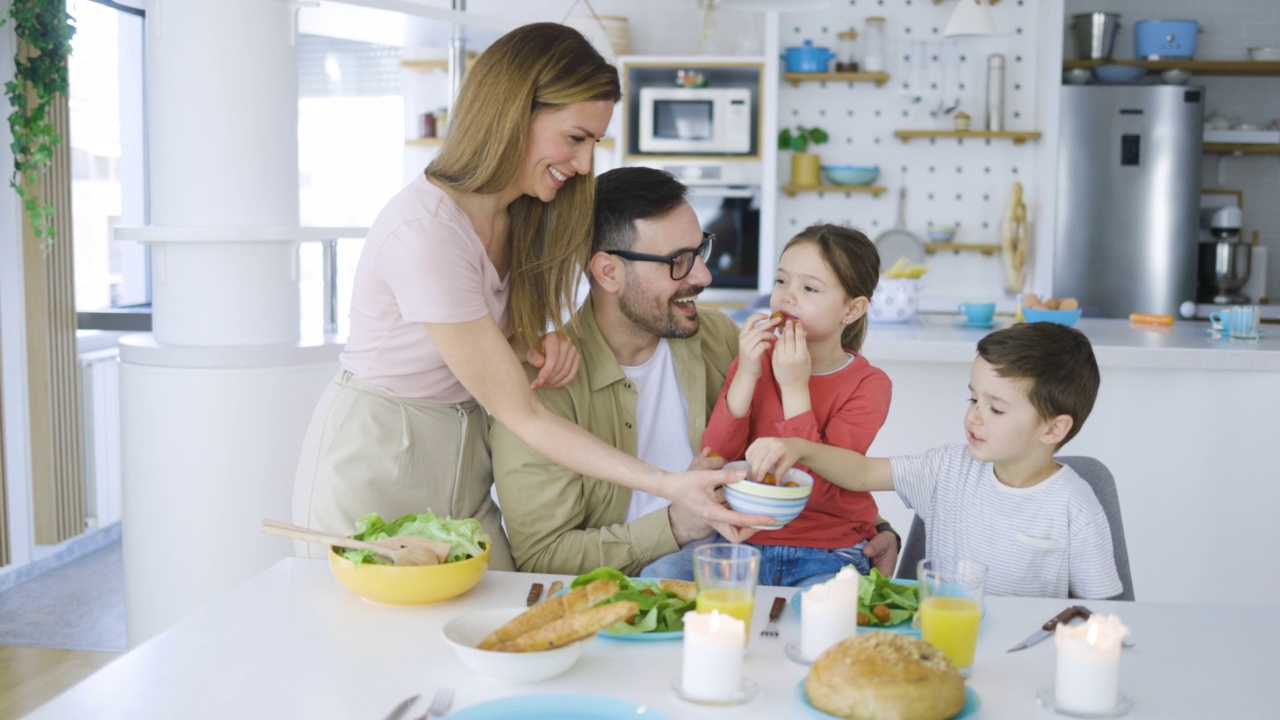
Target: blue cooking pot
1155	39
807	58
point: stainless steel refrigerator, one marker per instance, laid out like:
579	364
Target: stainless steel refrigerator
1128	197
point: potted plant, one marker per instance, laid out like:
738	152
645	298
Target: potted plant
805	166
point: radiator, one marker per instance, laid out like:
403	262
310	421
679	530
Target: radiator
100	429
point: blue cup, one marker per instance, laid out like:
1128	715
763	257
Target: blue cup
978	313
1220	321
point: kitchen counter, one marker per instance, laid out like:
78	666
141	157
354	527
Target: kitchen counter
1187	345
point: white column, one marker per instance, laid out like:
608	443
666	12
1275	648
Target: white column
214	403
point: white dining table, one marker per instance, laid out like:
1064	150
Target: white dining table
293	643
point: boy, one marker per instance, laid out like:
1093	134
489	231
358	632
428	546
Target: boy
1001	499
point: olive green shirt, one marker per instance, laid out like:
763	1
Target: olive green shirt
559	521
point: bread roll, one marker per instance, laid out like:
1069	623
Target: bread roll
569	628
880	675
550	610
682	589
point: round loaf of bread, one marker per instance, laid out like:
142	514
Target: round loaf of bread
880	675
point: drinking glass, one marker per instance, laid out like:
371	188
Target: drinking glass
951	591
1244	322
725	575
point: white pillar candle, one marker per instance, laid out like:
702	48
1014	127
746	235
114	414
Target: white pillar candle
712	656
829	613
1088	674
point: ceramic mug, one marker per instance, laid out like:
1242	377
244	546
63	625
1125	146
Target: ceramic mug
978	313
1220	321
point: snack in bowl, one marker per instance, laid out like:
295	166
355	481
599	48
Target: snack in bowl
885	676
465	562
464	633
551	611
783	500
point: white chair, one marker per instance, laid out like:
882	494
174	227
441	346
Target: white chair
1104	487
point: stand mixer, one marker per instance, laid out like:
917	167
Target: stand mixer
1224	257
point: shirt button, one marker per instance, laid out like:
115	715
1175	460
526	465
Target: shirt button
626	385
628	426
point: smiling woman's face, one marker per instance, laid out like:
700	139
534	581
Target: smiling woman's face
561	144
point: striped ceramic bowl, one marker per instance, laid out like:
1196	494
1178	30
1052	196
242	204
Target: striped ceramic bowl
783	503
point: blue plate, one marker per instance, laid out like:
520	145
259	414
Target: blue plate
972	704
903	627
567	706
635	637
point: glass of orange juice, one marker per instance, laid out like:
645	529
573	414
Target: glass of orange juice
726	578
951	591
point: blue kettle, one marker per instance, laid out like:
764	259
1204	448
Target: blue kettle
807	59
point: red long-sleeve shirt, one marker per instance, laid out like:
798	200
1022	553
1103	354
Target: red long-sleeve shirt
848	408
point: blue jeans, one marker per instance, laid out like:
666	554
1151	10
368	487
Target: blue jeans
784	565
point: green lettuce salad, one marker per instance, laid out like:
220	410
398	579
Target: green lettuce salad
877	589
660	610
464	536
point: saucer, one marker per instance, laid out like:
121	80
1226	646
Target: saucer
1219	334
1045	697
792	650
966	323
749	689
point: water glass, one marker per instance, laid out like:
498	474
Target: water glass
725	575
1244	322
951	591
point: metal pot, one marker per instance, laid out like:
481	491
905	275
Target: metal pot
807	58
1095	34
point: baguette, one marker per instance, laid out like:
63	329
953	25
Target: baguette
682	589
550	610
569	628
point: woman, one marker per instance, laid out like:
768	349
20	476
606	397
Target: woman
459	276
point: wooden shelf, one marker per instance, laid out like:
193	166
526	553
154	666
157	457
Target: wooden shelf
1196	67
435	64
1018	137
1242	148
932	248
879	78
874	190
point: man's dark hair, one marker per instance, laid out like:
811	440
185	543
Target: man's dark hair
1056	359
625	195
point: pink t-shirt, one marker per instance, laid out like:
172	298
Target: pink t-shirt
422	263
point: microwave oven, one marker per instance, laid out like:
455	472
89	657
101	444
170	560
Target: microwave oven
696	121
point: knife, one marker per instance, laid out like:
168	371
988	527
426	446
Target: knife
1071	613
401	708
535	592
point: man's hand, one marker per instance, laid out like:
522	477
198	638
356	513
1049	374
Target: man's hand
558	361
882	551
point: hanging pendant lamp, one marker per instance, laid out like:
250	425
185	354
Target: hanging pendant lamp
970	17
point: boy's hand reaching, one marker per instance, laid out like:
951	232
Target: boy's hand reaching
773	455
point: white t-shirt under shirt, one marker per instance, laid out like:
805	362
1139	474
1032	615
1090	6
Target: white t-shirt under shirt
422	263
662	422
1047	540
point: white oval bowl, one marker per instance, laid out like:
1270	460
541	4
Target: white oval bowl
464	633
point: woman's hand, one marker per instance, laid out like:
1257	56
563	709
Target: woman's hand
791	362
558	361
753	340
772	455
696	491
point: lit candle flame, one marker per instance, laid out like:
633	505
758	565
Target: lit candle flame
1092	637
715	622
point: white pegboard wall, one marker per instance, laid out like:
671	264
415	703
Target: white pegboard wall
949	181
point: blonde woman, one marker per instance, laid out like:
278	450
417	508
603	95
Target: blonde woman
459	278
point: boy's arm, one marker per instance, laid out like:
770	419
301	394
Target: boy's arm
846	468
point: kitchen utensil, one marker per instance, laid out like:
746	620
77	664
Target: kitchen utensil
995	92
978	313
399	710
409	584
440	704
1077	76
535	593
941	233
1014	240
1160	39
807	58
1264	53
780	502
556	587
1094	34
1224	269
402	550
851	174
1119	74
771	629
1071	613
1175	76
897	241
464	632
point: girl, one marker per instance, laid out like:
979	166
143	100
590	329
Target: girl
810	381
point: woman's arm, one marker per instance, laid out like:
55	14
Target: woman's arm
846	468
484	363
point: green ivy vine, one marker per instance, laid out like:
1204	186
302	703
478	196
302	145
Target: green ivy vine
46	29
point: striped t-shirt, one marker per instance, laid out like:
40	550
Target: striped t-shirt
1042	541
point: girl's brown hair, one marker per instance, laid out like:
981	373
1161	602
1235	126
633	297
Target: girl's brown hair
856	263
533	68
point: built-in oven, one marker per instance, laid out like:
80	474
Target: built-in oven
699	121
733	214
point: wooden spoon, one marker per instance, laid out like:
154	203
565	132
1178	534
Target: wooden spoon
404	550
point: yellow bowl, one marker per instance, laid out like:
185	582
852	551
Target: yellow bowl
409	584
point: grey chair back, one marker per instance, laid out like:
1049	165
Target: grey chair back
1104	487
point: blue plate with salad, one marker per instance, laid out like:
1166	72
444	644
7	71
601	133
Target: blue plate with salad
661	615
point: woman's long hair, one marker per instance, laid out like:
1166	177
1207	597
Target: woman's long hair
530	69
856	263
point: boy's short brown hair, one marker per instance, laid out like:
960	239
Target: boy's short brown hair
1058	361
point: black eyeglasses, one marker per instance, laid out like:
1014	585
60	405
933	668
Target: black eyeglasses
681	263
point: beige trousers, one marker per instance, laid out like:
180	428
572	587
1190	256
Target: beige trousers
366	451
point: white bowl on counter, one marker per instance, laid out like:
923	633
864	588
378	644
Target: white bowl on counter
895	300
1264	53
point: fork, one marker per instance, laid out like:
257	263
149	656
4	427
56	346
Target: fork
771	630
440	704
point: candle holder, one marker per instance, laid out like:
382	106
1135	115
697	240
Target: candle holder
1045	696
795	653
746	692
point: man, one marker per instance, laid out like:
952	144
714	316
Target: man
652	367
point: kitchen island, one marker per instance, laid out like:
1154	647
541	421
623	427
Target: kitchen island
1186	422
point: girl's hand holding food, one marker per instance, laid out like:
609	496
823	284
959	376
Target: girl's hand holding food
772	455
791	362
753	340
558	360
